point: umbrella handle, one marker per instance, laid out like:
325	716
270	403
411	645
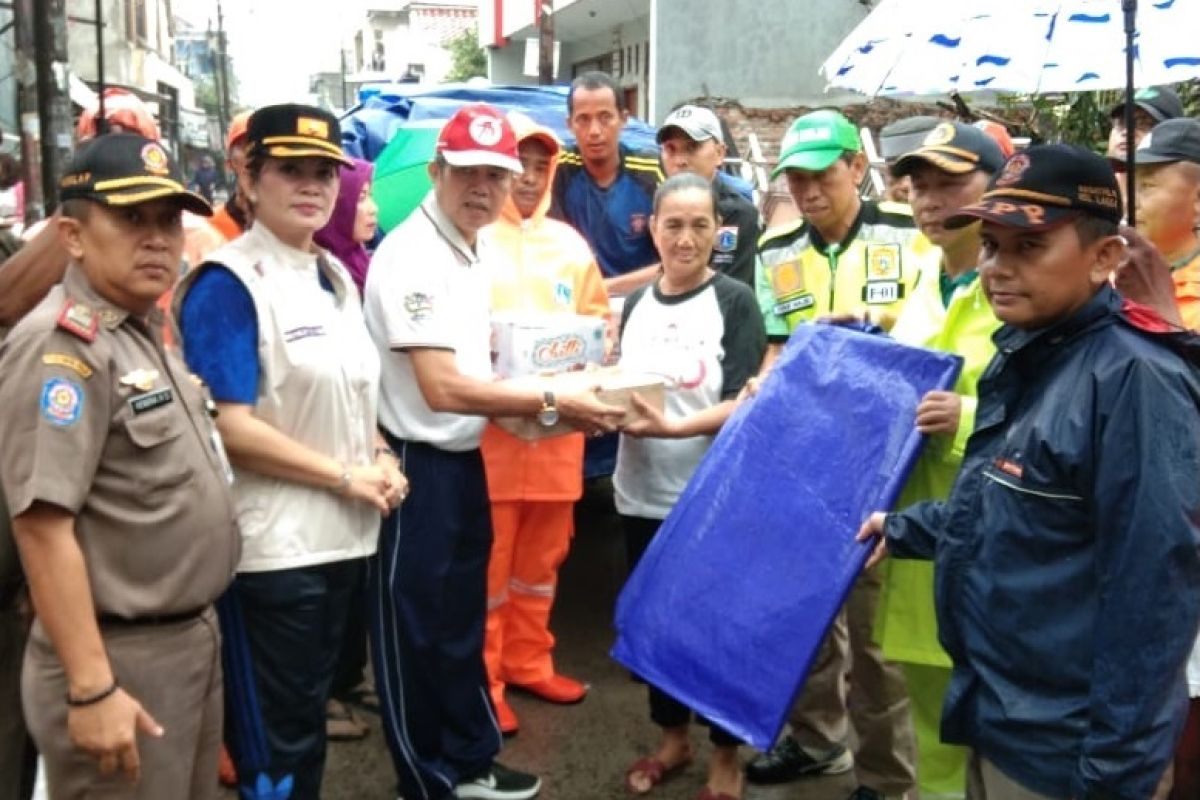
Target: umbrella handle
1129	8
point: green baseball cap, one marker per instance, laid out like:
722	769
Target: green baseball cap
815	141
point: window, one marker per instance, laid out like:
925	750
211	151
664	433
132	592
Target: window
137	27
168	111
379	56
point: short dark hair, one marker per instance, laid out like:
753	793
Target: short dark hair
256	159
1091	229
682	182
591	81
76	208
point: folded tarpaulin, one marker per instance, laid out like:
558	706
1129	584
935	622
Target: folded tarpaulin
729	605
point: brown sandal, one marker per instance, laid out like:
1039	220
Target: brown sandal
708	794
654	770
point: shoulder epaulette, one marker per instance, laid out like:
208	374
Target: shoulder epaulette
892	207
80	320
890	213
789	229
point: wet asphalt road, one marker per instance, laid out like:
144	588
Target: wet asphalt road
581	752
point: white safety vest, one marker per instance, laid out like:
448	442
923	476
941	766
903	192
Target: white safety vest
319	385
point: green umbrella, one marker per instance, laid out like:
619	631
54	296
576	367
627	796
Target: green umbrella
401	172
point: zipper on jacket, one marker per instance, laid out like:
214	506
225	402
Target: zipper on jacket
1026	490
831	255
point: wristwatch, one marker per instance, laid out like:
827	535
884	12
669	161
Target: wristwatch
548	416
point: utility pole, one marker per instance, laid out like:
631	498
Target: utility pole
223	108
101	116
546	43
53	103
345	97
27	110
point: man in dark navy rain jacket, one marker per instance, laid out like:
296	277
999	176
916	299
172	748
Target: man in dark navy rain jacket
1067	568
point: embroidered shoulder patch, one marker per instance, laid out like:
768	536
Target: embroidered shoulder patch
419	306
727	239
62	402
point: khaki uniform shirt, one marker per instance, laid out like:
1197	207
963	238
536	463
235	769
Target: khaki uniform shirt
10	565
98	419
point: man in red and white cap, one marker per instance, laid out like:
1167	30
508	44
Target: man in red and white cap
427	306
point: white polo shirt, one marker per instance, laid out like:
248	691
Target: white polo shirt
427	288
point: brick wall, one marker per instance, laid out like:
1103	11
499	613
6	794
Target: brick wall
771	123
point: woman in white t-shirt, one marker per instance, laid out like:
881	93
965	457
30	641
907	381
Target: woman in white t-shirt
702	332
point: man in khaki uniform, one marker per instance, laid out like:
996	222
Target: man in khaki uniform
119	492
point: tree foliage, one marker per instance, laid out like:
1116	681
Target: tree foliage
1080	117
467	58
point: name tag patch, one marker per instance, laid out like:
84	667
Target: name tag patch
303	332
800	303
882	292
150	401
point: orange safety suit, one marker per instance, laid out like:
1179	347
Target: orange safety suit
1187	291
533	485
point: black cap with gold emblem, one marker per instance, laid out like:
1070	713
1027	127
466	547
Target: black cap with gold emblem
290	130
1046	186
953	147
125	169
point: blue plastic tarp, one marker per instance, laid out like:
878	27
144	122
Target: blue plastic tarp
730	603
367	128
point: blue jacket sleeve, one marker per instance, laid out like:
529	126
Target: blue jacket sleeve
1147	511
220	335
913	532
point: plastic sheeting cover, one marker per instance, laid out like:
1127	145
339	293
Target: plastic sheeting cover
729	605
367	128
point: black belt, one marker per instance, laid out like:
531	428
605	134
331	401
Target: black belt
117	621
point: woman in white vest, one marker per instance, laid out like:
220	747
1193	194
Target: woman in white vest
273	324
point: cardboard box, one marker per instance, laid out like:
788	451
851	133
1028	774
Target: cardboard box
530	343
615	388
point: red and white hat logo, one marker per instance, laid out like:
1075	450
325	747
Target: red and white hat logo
479	135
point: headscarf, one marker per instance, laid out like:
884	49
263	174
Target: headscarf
121	107
338	234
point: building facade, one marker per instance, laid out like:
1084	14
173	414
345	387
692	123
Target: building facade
406	40
764	54
138	55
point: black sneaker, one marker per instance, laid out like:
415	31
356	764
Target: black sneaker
787	761
865	793
500	783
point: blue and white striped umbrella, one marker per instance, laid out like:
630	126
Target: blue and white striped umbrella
921	47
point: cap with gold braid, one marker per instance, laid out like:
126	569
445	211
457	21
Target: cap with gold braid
125	169
953	147
1045	186
290	130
